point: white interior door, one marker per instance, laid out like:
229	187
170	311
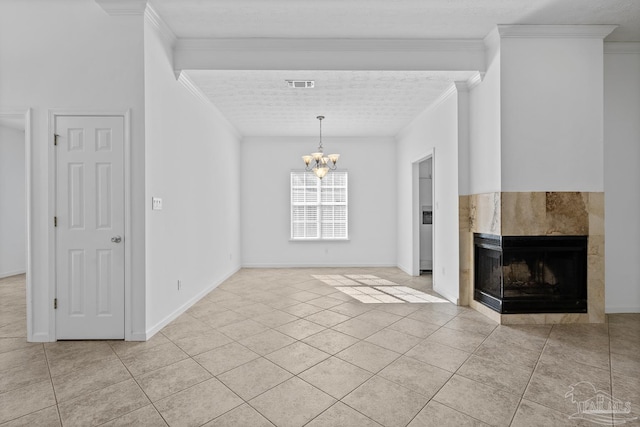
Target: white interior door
90	227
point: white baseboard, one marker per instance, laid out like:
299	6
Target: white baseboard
615	310
39	337
450	298
319	265
184	307
137	336
12	273
405	269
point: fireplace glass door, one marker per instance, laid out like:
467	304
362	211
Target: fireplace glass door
531	274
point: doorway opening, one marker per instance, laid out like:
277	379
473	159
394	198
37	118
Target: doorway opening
425	191
15	206
424	218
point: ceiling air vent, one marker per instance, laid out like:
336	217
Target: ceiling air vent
301	84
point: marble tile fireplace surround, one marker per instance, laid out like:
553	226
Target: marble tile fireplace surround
509	215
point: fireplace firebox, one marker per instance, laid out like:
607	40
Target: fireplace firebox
531	274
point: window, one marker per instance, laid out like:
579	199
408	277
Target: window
319	206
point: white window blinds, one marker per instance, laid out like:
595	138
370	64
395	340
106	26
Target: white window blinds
319	208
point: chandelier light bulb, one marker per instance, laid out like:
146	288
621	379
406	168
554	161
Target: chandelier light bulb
317	162
321	171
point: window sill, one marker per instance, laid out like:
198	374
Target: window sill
319	240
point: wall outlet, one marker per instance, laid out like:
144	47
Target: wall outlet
179	285
156	204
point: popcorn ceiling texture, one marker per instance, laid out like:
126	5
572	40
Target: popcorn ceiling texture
355	103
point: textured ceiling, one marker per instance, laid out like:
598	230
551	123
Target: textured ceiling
355	103
358	103
432	19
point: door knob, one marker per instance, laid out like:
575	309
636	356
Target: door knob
116	239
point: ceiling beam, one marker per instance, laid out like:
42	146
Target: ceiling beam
555	31
329	54
123	7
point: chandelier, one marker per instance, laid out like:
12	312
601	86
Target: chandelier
318	162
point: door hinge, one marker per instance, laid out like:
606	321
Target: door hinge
55	221
55	139
55	303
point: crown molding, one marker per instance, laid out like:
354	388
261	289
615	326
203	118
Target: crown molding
330	44
123	7
152	17
191	87
475	80
186	81
555	31
448	92
461	86
466	85
622	47
451	90
492	39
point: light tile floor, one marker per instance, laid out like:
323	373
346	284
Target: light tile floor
280	347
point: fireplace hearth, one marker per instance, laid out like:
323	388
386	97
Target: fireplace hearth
531	274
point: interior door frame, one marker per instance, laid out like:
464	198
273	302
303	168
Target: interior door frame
25	114
126	115
416	209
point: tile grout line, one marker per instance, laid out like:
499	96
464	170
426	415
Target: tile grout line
140	387
445	383
405	355
456	373
548	344
224	372
310	367
579	363
401	355
262	357
188	356
535	368
55	396
462	364
610	364
243	364
341	399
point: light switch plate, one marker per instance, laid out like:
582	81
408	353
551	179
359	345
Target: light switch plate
156	203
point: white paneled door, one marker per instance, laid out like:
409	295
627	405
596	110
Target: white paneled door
89	227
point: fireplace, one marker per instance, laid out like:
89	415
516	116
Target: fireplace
531	274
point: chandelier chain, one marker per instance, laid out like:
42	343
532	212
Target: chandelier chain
320	119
